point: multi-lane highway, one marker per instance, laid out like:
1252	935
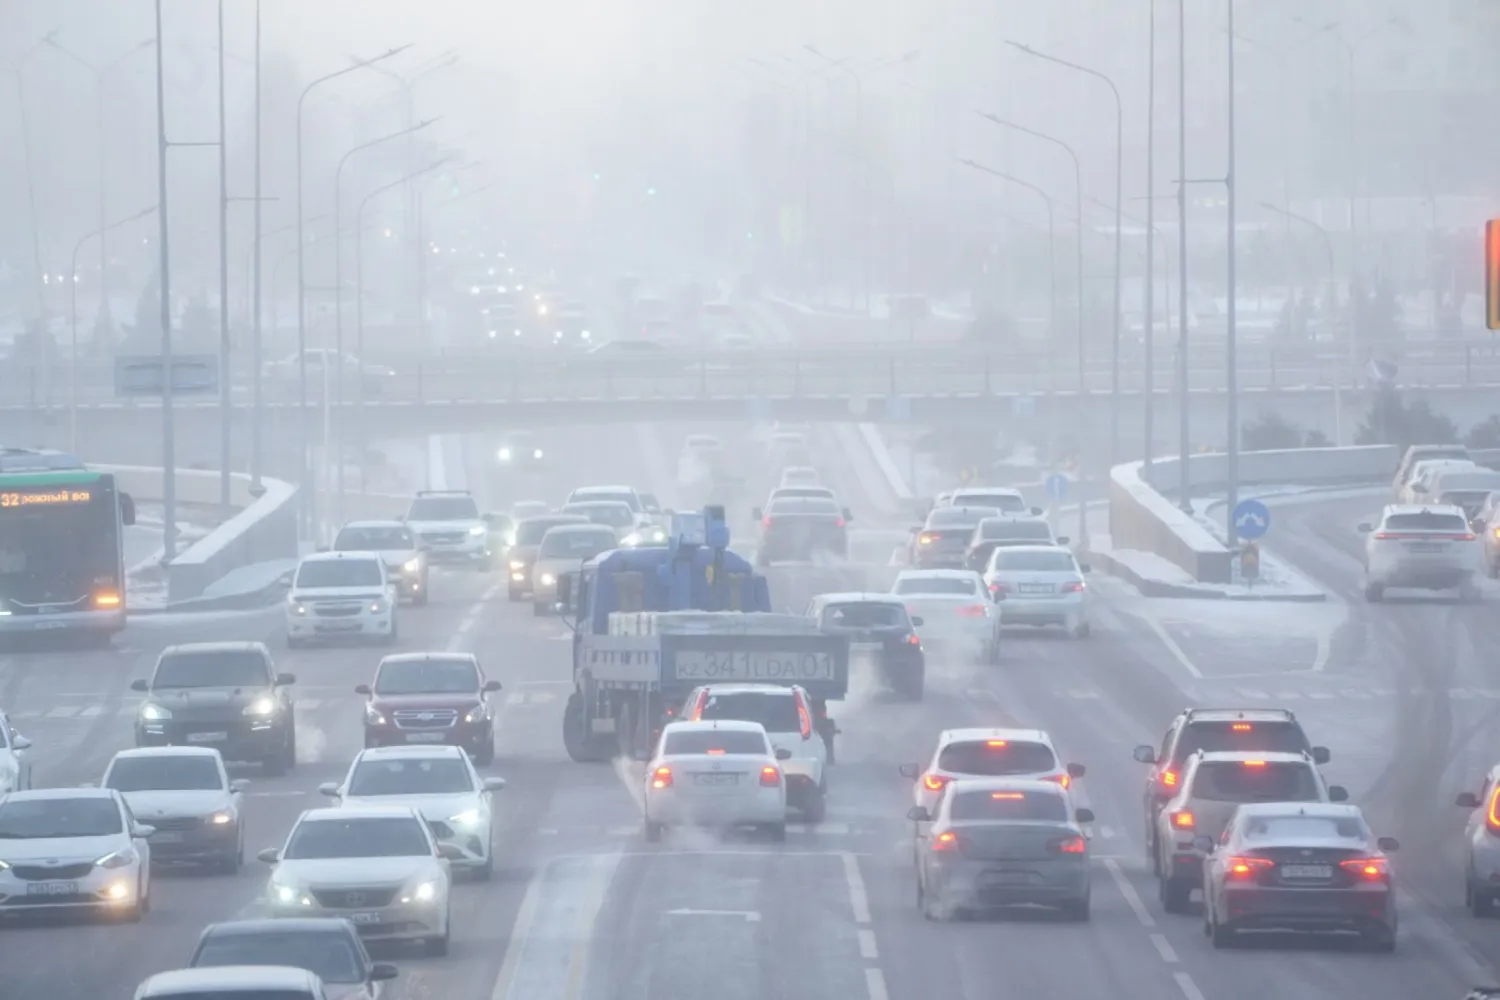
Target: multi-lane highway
582	907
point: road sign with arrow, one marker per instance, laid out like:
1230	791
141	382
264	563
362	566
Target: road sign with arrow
1252	519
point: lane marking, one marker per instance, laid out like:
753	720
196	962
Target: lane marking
867	949
857	895
875	984
1164	948
520	932
1189	988
1132	898
602	873
1173	648
748	916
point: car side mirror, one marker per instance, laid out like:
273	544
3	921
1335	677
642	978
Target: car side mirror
783	755
139	685
1076	770
494	784
282	680
1085	568
848	515
330	789
142	831
1467	800
919	814
270	856
910	771
491	686
21	742
362	689
1083	815
382	971
1388	844
1365	527
238	784
450	852
1203	845
1418	488
756	514
1144	754
917	621
1338	793
1321	755
1062	539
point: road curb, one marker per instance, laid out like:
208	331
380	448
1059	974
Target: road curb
250	600
1158	588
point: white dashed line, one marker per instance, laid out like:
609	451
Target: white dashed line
867	949
858	898
875	984
1164	948
1189	988
1132	897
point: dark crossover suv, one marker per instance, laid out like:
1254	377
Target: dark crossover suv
426	698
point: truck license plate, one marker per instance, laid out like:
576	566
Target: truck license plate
52	889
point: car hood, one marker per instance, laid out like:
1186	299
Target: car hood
432	807
149	805
65	850
441	526
462	702
170	698
334	872
338	593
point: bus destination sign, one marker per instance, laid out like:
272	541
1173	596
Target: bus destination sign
58	497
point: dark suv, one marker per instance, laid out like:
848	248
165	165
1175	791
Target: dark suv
431	698
878	628
1232	730
225	695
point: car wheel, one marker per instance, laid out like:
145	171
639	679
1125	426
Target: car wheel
419	599
485	754
992	652
1174	894
815	806
654	832
438	947
932	909
1492	568
1081	630
230	863
1374	592
292	642
1469	592
486	871
1076	909
1381	939
1481	904
515	595
1222	935
393	635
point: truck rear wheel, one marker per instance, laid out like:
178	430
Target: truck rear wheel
579	743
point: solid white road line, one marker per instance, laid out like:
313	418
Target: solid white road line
1132	897
1189	988
858	898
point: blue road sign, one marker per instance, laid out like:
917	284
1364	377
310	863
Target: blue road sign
1252	519
1057	486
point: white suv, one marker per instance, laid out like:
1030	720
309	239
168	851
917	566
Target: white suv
451	529
988	753
1422	547
341	595
787	715
1213	786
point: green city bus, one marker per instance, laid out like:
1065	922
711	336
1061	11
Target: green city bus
62	559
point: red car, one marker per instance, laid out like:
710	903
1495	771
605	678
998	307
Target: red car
431	698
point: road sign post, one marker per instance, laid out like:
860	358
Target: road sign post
1252	519
1056	486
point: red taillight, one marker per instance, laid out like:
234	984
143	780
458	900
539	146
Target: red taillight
770	776
661	778
700	705
999	588
914	640
997	744
1072	845
1183	820
106	599
804	718
934	782
765	521
1169	779
1492	814
1073	587
839	523
1374	869
1061	779
1241	727
1255	763
1008	796
973	611
1245	869
946	841
1497	532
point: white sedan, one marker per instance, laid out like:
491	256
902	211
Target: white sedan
15	765
440	783
722	774
955	607
1039	585
73	849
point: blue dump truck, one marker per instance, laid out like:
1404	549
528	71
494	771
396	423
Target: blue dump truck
651	624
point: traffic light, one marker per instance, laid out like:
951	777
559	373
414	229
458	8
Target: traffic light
1492	274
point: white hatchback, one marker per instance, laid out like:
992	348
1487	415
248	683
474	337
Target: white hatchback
721	774
955	607
1039	585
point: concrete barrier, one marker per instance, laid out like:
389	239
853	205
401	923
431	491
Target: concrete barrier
1142	517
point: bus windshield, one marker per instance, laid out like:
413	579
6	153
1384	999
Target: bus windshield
59	542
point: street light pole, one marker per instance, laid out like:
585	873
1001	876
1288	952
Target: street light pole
1231	344
309	500
1114	366
1148	397
225	372
256	389
17	70
1185	396
168	444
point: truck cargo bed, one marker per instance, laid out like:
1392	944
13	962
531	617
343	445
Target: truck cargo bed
676	662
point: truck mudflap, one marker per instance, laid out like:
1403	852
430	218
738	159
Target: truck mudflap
817	662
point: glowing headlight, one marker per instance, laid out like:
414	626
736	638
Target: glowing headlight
494	334
537	453
4	865
478	531
425	893
658	535
154	713
289	895
541	310
298	608
221	818
503	454
476	714
377	607
261	706
517	564
373	717
469	817
631	540
474	290
548	579
411	565
118	859
585	335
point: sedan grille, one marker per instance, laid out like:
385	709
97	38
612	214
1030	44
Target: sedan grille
446	537
336	610
47	873
353	899
174	822
434	718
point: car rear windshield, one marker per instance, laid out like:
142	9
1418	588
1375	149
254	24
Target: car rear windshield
329	955
802	505
792	492
43	819
1241	737
1009	805
1274	829
570	543
434	676
450	508
615	515
241	668
1008	502
165	773
776	711
1469	500
614	496
363	572
996	758
937	585
1426	521
711	741
1034	562
413	776
1003	528
531	530
1249	781
388	539
869	614
958	517
358	837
